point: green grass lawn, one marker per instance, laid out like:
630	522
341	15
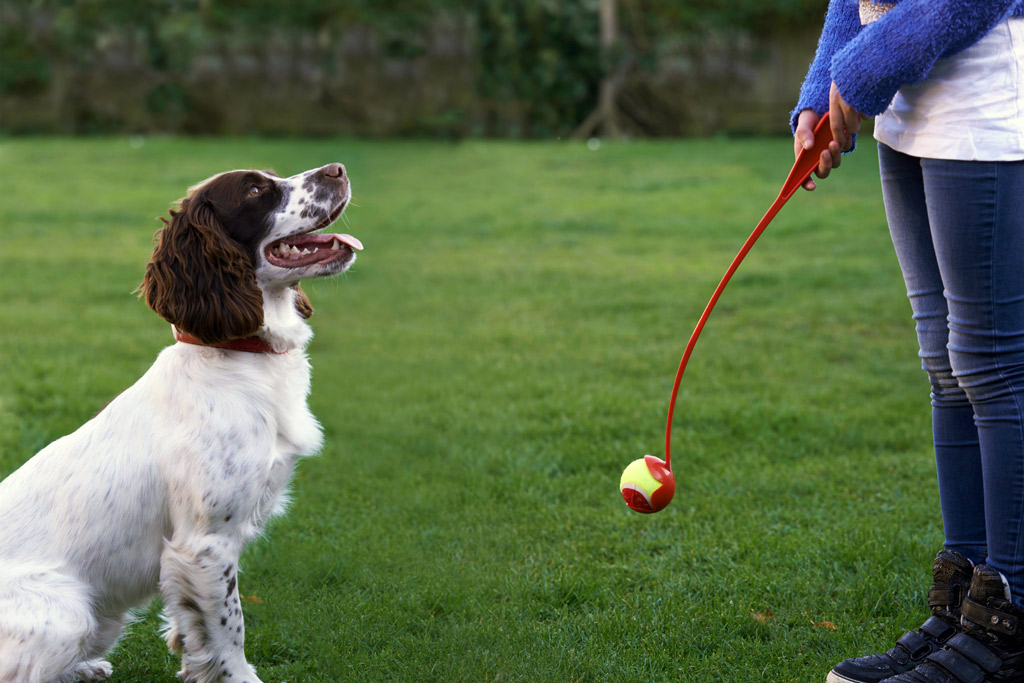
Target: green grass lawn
504	347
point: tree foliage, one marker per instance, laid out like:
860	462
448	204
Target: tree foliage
539	64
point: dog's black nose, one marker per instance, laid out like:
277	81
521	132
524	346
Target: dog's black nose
334	171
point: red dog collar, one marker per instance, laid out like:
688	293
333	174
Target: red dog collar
247	344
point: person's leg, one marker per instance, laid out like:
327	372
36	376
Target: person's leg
976	212
957	453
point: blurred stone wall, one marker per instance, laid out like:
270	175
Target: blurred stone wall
357	81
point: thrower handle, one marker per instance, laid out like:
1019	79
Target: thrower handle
807	160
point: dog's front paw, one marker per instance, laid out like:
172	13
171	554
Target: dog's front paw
246	676
243	673
94	670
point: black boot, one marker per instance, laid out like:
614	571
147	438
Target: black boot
951	577
990	646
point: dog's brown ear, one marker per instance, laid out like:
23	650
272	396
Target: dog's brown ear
302	303
200	280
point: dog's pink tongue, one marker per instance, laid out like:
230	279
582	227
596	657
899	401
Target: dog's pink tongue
349	240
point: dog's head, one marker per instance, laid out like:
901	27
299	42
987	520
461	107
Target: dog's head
240	234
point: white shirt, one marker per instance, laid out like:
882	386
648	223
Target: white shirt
969	108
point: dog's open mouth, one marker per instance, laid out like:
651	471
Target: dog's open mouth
299	251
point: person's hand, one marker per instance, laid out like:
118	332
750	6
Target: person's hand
803	138
845	119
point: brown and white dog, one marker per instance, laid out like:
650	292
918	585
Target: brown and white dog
163	489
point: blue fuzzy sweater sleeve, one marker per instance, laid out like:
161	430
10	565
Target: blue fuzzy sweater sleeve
842	24
869	64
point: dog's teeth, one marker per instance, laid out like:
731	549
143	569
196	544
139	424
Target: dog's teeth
335	245
291	251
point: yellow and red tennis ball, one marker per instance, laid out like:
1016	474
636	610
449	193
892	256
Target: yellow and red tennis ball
647	485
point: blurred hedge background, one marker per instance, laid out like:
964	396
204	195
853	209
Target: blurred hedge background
452	68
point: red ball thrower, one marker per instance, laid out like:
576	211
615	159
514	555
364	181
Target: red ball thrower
647	484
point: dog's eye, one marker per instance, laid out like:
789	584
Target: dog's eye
254	191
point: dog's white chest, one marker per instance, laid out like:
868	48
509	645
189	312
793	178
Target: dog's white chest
243	432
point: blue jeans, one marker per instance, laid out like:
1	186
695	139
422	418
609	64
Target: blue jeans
958	229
